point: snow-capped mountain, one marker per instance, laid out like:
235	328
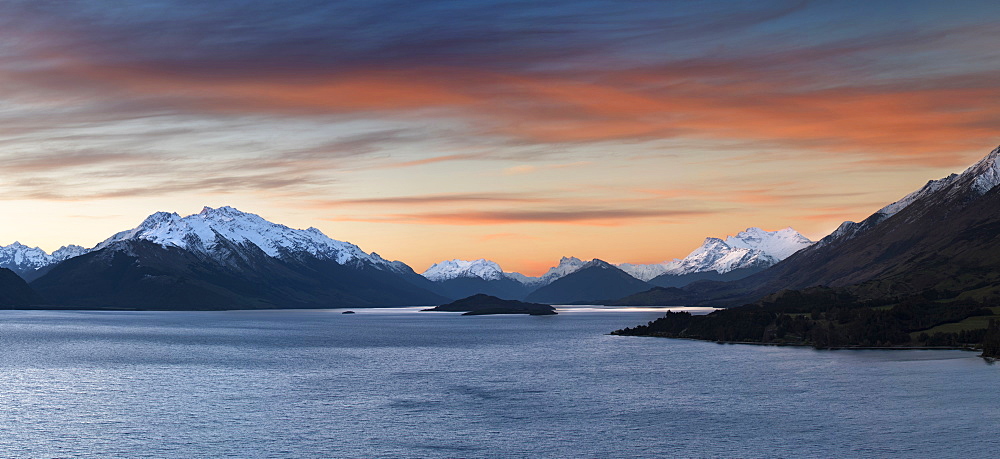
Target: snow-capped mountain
452	269
463	278
490	271
752	248
645	272
212	229
776	244
227	259
25	260
566	266
20	258
68	251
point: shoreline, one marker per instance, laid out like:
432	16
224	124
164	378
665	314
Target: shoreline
836	348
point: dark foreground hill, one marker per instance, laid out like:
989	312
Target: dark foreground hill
14	291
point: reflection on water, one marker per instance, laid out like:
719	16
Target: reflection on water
616	309
397	382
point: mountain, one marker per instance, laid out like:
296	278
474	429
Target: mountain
748	252
453	269
594	281
923	271
566	266
211	230
14	291
31	262
463	278
943	240
227	259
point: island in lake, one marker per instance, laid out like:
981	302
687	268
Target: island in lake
482	304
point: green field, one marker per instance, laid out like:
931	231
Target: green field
971	323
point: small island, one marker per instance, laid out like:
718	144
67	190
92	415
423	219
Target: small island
481	304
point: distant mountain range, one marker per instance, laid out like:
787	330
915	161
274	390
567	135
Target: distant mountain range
735	257
462	278
31	262
942	239
225	258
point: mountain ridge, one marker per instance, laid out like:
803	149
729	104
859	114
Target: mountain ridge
898	238
735	257
595	281
224	259
31	262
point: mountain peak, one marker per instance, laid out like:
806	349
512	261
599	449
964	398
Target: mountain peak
201	232
599	263
23	259
777	244
713	241
453	269
224	211
752	247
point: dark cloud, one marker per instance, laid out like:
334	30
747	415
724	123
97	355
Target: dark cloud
567	215
448	198
229	37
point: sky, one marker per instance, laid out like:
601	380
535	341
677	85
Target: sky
519	131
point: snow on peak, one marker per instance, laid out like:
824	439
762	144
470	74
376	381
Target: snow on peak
68	251
566	266
753	247
985	174
597	262
489	270
980	178
21	258
201	232
778	244
645	272
931	187
453	269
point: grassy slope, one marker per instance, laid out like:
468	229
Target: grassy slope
971	323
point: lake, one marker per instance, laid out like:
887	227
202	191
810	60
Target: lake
401	383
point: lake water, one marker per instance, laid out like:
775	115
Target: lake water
400	383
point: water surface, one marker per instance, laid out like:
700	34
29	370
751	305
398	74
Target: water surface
396	382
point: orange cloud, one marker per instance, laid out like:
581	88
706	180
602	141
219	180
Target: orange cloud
925	125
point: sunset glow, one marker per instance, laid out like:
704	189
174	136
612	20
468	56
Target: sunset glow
626	132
